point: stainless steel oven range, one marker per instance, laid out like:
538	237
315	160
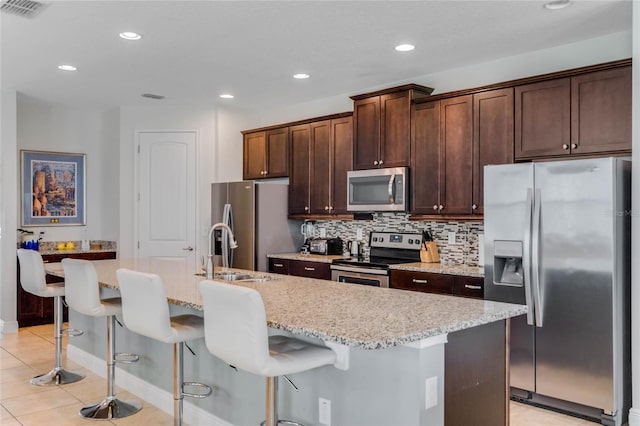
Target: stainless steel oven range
387	248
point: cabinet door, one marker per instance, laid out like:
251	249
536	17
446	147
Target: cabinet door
366	116
468	287
601	112
319	173
277	161
422	281
279	266
302	268
543	123
492	137
395	129
341	162
299	176
455	156
425	157
254	155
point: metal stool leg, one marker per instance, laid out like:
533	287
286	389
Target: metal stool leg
111	407
57	376
272	405
178	378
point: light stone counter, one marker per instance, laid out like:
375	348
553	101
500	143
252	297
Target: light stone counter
441	268
307	257
353	315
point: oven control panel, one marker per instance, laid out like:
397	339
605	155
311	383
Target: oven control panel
398	240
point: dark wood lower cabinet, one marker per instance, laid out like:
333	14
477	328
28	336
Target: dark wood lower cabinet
475	391
34	310
429	282
300	268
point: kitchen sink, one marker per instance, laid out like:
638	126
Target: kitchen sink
239	276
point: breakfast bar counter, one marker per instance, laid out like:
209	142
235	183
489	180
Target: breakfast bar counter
390	345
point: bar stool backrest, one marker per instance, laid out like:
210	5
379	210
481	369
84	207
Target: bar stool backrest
235	326
145	309
82	291
32	275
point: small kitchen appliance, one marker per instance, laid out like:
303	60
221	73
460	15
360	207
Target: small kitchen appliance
386	248
378	190
325	246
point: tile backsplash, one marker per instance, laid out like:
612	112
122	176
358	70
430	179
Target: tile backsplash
464	251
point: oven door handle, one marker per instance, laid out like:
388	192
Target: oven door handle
359	270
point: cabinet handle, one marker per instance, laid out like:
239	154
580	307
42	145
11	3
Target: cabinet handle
306	208
380	162
330	208
266	172
574	145
307	268
474	206
375	162
435	207
440	207
473	287
417	281
565	146
278	265
326	208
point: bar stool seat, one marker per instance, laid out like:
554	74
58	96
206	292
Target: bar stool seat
83	296
33	280
145	310
236	332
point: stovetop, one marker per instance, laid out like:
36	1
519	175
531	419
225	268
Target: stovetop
373	262
388	248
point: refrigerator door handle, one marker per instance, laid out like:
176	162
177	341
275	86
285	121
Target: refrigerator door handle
535	258
227	219
526	257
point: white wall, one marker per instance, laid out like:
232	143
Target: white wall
8	216
48	127
228	157
134	119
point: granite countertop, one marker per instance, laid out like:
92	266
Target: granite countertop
308	257
441	268
353	315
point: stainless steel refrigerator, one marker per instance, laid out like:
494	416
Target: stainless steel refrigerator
257	214
557	238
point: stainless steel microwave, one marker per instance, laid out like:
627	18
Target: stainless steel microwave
377	190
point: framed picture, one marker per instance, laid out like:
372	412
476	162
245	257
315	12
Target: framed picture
53	188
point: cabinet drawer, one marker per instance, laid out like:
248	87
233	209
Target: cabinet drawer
422	281
52	258
279	266
303	268
469	287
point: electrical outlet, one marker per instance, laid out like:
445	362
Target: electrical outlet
452	238
358	233
431	392
324	411
323	232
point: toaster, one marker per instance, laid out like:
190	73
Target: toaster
325	246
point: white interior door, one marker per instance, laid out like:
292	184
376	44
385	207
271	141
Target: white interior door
167	194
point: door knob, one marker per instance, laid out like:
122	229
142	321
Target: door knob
187	248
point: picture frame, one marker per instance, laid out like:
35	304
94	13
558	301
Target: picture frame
53	188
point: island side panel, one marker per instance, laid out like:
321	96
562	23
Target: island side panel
475	376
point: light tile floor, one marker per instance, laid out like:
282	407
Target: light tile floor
31	351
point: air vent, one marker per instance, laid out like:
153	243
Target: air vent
152	96
26	8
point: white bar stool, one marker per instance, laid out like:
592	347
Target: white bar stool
83	295
32	279
145	310
236	332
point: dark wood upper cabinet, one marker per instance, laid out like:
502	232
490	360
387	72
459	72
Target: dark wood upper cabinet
266	154
382	126
456	155
425	157
321	155
601	111
492	137
299	178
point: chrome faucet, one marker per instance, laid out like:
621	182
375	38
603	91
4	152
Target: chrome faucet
232	244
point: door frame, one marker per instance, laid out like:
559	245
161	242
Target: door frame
136	189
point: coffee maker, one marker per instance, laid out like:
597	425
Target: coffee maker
307	229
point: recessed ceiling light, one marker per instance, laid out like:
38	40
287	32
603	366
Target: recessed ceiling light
557	4
405	47
301	76
67	67
226	96
130	35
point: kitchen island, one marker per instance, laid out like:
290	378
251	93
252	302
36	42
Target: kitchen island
390	344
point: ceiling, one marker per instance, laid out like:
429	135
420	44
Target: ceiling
192	51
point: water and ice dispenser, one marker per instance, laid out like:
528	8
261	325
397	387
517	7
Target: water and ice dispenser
507	263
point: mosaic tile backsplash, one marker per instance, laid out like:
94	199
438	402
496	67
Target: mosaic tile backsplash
463	252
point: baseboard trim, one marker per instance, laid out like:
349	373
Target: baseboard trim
8	326
634	417
144	390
